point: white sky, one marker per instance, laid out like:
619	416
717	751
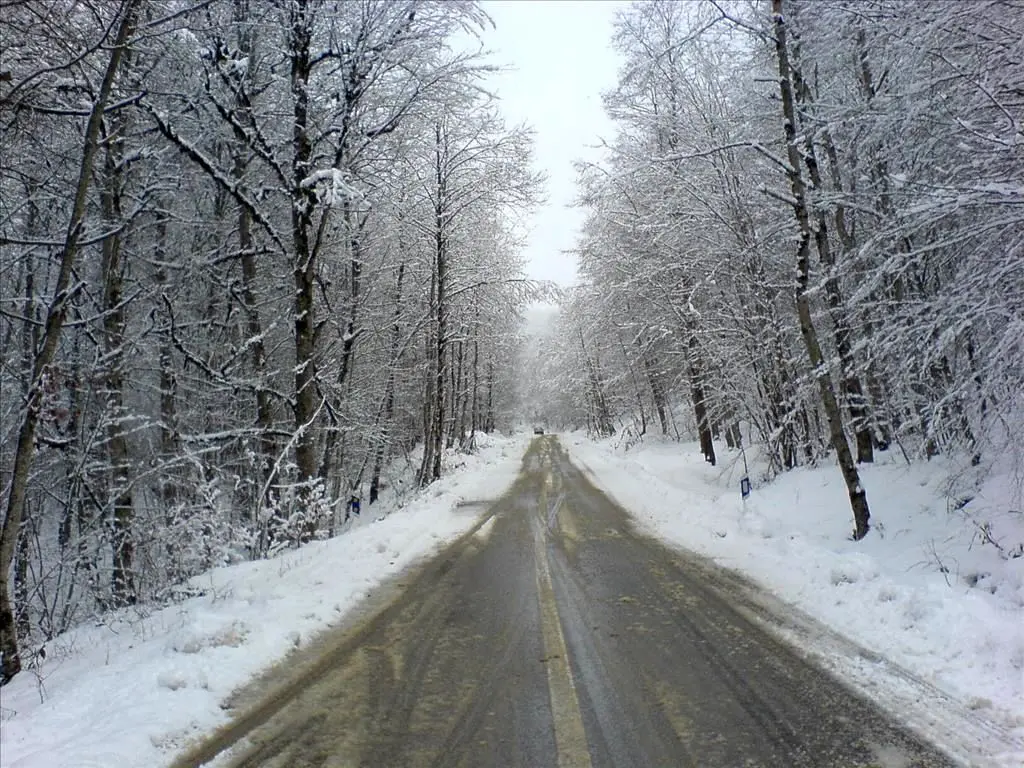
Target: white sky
560	61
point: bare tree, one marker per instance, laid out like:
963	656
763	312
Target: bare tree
121	29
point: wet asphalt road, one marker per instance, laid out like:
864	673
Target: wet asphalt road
556	636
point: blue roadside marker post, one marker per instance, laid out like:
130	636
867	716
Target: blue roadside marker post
744	487
352	508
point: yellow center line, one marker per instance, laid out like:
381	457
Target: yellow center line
570	736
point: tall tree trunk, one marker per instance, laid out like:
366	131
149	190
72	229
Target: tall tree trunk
601	413
858	497
169	438
266	447
850	385
120	521
489	418
700	406
655	383
29	345
463	398
452	407
21	587
430	470
429	385
441	350
303	266
475	397
170	481
10	659
638	389
388	414
348	341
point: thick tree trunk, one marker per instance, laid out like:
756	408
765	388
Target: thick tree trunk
850	385
303	266
10	659
733	435
430	469
489	418
21	589
122	512
700	408
858	497
442	350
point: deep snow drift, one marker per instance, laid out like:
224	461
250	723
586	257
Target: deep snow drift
131	692
938	613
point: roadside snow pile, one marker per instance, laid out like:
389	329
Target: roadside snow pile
130	692
924	590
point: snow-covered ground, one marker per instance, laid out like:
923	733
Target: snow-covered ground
129	693
936	615
939	612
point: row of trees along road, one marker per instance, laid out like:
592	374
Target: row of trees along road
250	251
810	222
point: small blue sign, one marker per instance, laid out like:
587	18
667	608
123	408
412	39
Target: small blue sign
745	487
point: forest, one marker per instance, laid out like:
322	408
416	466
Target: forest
808	236
250	252
254	252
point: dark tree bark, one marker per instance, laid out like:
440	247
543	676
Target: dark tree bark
700	407
849	384
858	497
430	470
489	419
21	586
388	411
241	155
113	267
10	659
475	396
303	262
348	341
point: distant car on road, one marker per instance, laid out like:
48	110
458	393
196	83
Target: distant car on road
538	430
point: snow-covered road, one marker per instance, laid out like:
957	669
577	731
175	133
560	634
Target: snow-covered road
556	635
921	616
631	620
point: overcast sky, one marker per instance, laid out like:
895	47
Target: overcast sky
560	59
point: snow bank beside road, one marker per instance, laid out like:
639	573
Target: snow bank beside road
921	590
131	692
